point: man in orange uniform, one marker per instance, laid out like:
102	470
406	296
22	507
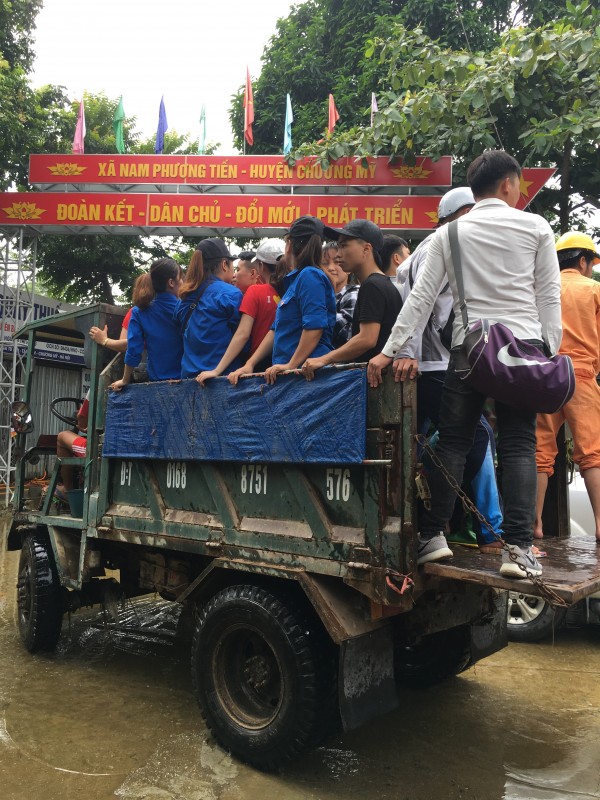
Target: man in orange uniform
580	301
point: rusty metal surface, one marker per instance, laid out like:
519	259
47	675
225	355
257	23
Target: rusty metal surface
571	568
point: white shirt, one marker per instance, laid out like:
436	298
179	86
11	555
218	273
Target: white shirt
510	272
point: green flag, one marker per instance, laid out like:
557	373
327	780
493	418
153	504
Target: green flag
202	139
118	120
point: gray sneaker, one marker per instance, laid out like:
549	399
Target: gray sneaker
525	563
432	549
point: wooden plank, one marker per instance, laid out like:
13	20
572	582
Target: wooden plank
571	568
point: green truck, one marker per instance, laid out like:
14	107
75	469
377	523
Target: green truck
296	573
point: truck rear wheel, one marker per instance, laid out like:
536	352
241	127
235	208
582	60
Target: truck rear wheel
39	595
263	676
531	619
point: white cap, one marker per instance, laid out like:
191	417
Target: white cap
270	251
454	200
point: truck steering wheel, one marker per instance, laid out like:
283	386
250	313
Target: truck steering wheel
72	421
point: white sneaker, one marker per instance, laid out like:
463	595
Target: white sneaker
432	549
523	564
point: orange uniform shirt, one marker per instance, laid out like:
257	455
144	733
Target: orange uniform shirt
580	300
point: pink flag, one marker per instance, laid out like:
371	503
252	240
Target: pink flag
79	131
248	110
333	114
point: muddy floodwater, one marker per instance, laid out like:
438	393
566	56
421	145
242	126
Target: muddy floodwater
111	715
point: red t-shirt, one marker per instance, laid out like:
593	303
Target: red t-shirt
125	323
260	303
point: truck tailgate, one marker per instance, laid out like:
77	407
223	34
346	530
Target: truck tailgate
571	568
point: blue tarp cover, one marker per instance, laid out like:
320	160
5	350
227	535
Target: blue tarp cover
293	421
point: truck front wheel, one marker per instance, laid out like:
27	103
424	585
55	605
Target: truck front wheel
39	595
263	676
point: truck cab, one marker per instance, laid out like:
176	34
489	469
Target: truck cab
283	520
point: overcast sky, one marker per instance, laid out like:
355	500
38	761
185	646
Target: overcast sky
190	51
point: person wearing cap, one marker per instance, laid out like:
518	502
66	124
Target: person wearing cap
257	308
209	312
305	316
511	275
246	271
425	357
580	297
378	302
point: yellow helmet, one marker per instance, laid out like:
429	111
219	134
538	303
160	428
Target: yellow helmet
574	242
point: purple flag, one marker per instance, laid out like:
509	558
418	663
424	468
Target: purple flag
163	127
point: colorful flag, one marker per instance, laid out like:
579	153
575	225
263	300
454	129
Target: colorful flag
374	108
287	132
248	110
78	148
118	120
333	114
163	127
202	139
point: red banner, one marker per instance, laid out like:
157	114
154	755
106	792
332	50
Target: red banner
153	211
118	170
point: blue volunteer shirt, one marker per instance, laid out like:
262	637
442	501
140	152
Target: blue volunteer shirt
307	305
156	328
210	328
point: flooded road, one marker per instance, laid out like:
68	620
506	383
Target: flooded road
111	715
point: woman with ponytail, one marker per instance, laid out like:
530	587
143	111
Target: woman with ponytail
209	313
153	325
305	316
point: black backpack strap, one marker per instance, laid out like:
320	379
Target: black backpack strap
460	286
200	291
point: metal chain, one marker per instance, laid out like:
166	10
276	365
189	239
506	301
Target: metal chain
545	591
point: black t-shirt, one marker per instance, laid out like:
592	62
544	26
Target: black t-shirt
378	301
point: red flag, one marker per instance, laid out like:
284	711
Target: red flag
333	114
248	110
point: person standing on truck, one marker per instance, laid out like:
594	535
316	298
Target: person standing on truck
153	326
394	253
511	276
425	357
378	303
246	271
305	316
580	296
209	313
345	294
257	308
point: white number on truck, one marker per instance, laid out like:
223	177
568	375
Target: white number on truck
176	475
338	484
126	468
254	479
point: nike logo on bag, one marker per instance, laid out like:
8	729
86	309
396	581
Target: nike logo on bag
505	358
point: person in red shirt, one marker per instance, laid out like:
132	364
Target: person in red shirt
257	308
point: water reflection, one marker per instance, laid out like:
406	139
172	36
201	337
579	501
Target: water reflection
111	714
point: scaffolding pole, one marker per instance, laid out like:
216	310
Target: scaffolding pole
17	307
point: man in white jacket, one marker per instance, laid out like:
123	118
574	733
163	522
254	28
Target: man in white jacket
511	275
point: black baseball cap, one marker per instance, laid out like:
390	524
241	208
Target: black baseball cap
214	248
359	229
306	226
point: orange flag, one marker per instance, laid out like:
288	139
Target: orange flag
333	114
248	110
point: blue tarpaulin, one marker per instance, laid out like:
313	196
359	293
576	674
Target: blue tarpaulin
293	421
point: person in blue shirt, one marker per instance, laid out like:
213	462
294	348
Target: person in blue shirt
210	308
153	325
305	316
